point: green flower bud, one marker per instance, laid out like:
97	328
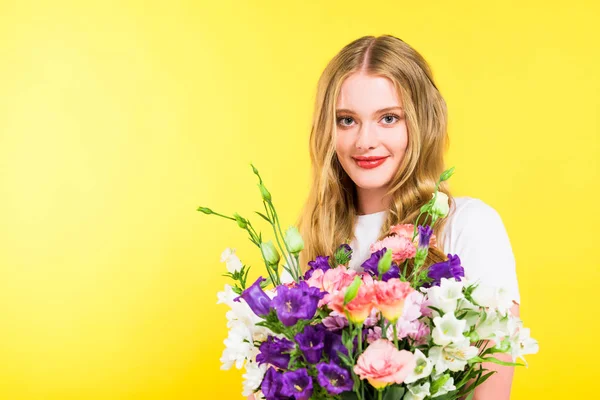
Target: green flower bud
270	252
446	174
421	256
205	210
385	262
293	240
264	192
441	206
242	223
352	290
254	169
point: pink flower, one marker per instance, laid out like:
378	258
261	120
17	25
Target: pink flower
360	307
406	230
331	281
402	247
421	334
383	364
412	306
373	334
390	296
335	321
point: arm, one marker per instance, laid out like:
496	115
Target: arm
498	386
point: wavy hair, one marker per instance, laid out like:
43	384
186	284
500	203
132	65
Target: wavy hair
330	212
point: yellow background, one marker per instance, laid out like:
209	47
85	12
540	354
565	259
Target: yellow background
118	119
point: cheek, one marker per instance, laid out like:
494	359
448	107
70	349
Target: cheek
397	142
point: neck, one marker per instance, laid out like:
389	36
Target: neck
372	201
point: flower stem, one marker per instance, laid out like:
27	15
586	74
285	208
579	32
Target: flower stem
395	335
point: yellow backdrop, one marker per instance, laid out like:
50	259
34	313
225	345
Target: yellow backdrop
118	119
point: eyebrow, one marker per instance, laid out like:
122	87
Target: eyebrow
345	110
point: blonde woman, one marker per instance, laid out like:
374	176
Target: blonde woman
377	143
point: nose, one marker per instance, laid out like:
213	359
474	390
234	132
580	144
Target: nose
367	137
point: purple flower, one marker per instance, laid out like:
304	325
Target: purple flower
450	268
322	263
258	300
271	385
297	384
293	304
334	378
425	233
311	341
371	266
393	272
275	351
333	344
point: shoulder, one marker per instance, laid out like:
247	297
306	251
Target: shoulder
472	213
471	221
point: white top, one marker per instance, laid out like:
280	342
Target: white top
474	231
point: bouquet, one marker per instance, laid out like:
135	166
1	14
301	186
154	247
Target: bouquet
388	332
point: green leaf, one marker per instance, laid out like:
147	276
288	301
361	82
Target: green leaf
505	363
264	216
393	392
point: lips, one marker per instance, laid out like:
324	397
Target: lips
370	161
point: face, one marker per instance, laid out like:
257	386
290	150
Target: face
371	131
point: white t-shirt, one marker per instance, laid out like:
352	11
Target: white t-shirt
474	231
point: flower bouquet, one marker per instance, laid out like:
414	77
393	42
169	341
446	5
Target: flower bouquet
400	329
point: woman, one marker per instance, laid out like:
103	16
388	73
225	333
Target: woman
377	143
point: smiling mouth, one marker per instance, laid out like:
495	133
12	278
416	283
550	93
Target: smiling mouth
369	162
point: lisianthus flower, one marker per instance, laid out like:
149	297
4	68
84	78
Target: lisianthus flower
297	384
275	351
390	297
402	248
450	268
256	298
360	307
312	342
334	378
371	266
382	364
293	304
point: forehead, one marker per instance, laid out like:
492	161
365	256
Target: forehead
367	93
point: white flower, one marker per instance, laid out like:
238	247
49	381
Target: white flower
441	205
453	356
226	296
238	346
417	392
493	297
473	312
233	262
492	326
446	296
448	329
422	369
253	377
521	342
448	386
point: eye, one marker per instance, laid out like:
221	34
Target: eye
340	119
390	116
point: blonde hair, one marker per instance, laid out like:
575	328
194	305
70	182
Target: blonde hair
330	211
